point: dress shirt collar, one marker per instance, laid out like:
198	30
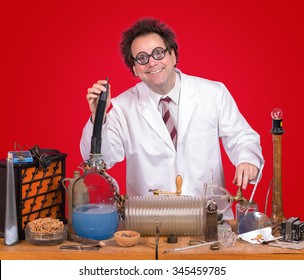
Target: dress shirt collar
173	94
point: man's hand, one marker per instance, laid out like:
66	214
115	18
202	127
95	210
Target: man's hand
93	94
244	174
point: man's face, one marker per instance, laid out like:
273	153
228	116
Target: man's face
158	75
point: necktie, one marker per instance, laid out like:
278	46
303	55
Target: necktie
168	120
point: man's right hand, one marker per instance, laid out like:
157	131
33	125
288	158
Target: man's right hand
93	95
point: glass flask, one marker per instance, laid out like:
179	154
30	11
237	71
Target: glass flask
244	208
220	196
94	211
223	200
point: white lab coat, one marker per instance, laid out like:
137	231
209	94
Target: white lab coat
134	130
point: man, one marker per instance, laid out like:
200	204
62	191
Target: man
201	113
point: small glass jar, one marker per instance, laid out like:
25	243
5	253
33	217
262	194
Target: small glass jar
244	208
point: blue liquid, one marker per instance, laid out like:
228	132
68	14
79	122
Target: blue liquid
95	221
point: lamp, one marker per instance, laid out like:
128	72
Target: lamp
277	216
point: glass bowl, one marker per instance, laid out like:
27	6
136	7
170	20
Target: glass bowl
51	238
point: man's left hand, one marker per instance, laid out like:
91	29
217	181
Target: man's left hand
244	174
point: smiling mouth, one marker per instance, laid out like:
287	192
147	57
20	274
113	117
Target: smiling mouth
155	72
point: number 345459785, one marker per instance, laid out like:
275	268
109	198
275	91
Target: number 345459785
199	270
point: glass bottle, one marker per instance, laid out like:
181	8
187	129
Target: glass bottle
94	211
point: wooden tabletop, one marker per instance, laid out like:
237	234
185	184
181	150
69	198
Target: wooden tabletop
145	250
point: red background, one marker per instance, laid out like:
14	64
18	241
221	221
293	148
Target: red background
52	51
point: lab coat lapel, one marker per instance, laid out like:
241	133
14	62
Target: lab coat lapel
153	117
188	102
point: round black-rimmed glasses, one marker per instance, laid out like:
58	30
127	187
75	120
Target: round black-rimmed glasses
158	53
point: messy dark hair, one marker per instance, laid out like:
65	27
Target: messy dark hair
142	27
